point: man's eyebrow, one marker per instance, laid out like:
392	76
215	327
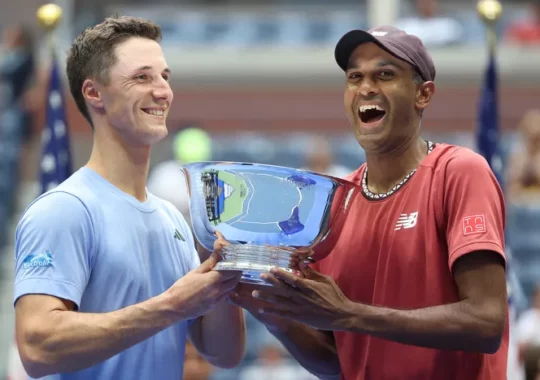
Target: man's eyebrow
146	67
389	63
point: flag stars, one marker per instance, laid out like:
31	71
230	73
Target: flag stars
55	164
51	185
55	100
48	163
59	128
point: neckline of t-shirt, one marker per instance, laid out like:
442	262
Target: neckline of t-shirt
424	163
147	206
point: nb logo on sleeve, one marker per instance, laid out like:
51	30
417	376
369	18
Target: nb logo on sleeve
474	224
406	221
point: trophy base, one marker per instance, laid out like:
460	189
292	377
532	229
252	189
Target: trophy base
253	260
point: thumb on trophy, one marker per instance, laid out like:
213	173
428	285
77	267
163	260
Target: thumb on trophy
220	242
208	264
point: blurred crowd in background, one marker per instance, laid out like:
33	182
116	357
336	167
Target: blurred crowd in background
255	81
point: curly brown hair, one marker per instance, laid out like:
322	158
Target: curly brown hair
92	54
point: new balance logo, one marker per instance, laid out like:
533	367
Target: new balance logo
406	221
178	235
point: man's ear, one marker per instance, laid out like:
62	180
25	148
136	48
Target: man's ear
92	94
424	94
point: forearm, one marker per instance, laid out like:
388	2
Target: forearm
69	341
457	326
220	335
313	349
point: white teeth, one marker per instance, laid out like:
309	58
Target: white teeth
155	112
370	107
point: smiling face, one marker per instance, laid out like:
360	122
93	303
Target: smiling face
137	98
382	100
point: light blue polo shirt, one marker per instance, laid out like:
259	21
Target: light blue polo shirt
88	242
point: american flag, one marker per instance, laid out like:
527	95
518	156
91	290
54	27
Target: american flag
488	135
55	165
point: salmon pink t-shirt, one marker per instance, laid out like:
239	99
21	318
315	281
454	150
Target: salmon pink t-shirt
398	252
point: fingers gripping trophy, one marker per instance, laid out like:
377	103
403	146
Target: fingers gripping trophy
270	216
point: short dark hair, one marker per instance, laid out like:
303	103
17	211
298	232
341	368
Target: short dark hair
92	54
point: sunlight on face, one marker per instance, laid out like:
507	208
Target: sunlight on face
138	97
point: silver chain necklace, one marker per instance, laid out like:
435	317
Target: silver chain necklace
371	195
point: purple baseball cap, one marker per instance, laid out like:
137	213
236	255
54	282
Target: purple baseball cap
406	47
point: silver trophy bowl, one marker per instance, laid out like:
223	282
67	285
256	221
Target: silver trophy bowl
272	216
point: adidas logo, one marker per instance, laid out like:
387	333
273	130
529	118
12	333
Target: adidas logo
178	235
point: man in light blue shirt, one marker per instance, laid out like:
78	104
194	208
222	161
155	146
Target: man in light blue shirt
108	284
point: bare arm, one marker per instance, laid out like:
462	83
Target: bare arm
53	338
220	335
475	323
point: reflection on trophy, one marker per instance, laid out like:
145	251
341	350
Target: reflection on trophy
270	215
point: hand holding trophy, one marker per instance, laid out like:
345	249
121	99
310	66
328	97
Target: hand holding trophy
271	216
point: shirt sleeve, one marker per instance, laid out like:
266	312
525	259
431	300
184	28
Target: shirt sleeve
54	248
474	207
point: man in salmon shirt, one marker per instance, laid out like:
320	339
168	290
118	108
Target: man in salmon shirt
415	287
